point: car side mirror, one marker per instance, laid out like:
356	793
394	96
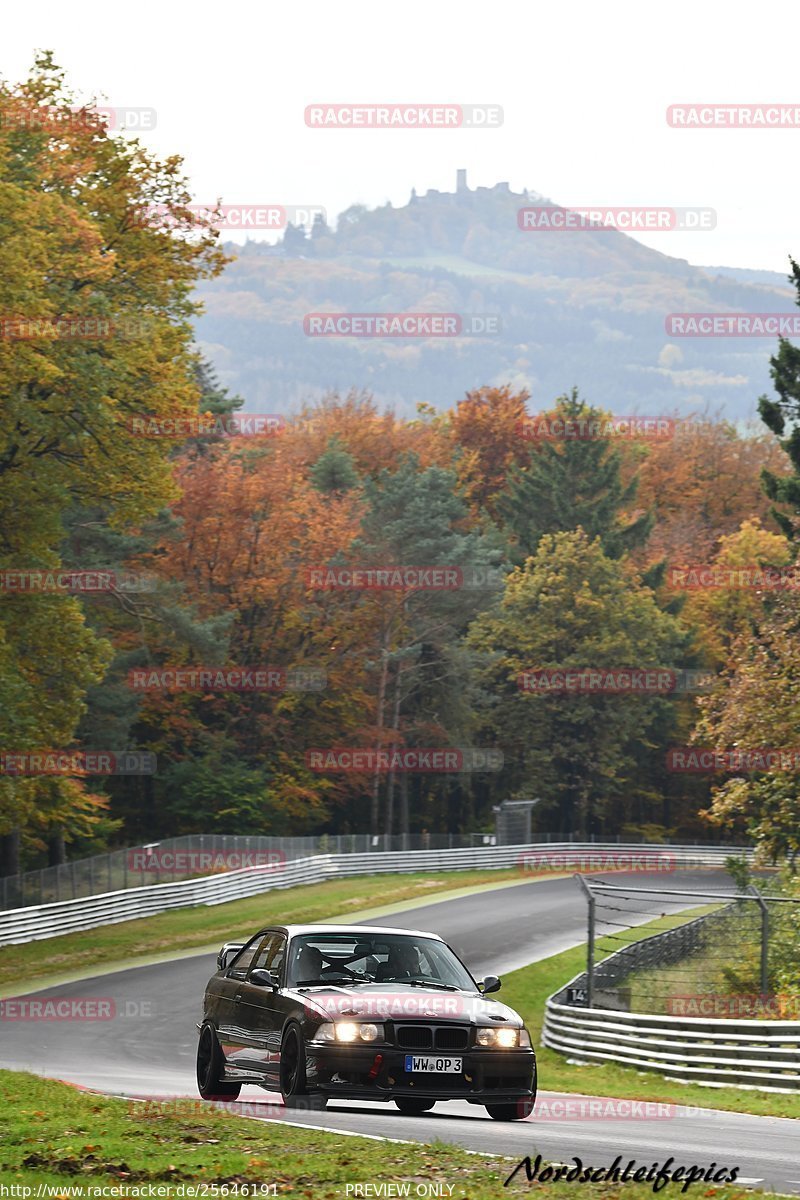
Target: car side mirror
227	954
264	978
490	984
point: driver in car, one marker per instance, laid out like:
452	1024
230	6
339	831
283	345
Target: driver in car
308	965
403	963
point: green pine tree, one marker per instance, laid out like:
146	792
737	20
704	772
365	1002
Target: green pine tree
573	484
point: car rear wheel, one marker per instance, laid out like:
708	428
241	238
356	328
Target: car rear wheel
413	1108
211	1069
517	1111
294	1087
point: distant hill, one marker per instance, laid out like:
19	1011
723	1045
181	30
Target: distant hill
583	307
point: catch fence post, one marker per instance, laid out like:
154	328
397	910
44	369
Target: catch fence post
764	937
589	942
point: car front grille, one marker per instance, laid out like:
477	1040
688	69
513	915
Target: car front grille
451	1037
430	1037
415	1037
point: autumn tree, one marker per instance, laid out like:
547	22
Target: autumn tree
782	417
572	606
416	518
96	303
487	428
701	483
759	707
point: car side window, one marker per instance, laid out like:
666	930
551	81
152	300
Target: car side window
241	964
270	954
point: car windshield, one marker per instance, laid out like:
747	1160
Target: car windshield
353	959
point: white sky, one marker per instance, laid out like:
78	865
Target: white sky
584	88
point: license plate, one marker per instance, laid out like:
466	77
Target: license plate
433	1066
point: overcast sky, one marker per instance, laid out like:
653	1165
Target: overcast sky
584	89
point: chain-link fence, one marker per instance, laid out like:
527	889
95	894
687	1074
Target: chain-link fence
727	961
183	857
202	854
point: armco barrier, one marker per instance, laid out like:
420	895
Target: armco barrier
717	1053
49	920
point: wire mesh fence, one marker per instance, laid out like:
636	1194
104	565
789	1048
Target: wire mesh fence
726	958
194	855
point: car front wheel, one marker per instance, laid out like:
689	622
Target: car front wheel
294	1087
211	1069
518	1111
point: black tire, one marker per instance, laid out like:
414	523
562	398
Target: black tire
412	1107
211	1069
294	1087
518	1110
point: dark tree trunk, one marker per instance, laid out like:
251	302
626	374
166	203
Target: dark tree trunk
9	853
56	849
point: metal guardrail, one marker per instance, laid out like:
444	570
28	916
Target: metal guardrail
116	869
721	1052
716	1052
38	922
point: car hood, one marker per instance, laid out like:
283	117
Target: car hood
393	1002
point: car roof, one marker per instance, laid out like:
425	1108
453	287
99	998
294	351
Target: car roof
367	930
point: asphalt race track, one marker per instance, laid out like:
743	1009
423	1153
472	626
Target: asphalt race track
147	1049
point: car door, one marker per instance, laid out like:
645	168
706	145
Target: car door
231	1021
260	1011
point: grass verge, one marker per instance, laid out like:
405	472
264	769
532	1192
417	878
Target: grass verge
72	1141
188	928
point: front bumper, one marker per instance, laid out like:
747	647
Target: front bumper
354	1072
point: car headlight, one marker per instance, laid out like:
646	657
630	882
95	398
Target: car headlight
524	1039
349	1031
504	1037
507	1037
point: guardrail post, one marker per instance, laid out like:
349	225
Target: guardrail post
589	942
764	937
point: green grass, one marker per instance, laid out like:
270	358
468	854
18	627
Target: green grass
526	991
187	928
53	1134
